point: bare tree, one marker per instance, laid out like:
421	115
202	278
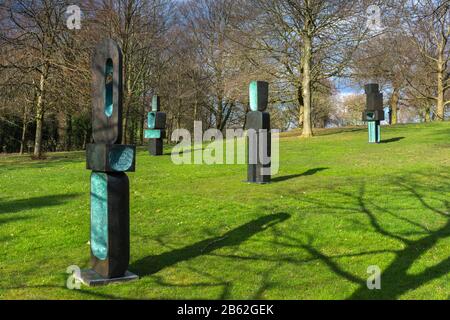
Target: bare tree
33	30
310	40
428	28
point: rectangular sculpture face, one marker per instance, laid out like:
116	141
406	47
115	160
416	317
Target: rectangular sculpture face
154	134
257	120
111	157
99	215
374	101
374	131
156	120
107	93
110	238
374	98
259	95
371	88
376	115
258	146
155	147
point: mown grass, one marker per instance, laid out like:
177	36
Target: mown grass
337	206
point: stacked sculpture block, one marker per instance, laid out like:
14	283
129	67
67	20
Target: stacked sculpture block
259	138
109	160
374	112
156	128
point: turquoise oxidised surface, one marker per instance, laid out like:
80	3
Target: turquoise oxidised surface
254	96
109	73
152	134
151	121
121	159
374	131
99	215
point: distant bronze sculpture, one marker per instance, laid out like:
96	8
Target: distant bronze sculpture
109	160
374	112
156	131
258	131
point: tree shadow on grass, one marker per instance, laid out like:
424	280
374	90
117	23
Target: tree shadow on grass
87	292
152	264
396	278
12	206
12	219
309	172
392	140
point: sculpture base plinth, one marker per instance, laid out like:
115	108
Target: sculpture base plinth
91	278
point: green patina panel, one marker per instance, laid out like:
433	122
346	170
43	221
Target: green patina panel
374	129
121	159
151	120
155	103
99	215
254	96
152	134
371	128
109	88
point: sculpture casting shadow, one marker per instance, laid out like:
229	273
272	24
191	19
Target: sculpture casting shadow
13	206
152	264
309	172
392	140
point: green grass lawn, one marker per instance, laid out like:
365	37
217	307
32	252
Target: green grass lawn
337	206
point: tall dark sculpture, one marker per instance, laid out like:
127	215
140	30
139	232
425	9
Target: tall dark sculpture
156	131
374	112
259	138
109	160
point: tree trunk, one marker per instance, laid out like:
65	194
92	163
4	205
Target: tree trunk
142	117
195	105
394	105
219	118
39	117
69	133
62	130
306	86
301	108
226	117
440	88
133	131
180	106
127	113
24	129
427	116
